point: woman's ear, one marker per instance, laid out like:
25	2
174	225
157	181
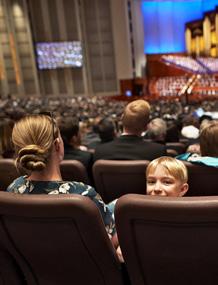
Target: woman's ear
57	144
184	189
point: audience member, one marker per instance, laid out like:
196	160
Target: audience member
173	131
166	176
156	130
130	145
106	130
194	146
90	133
70	132
190	129
39	148
209	140
208	147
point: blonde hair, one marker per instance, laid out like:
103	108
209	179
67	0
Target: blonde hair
209	139
33	137
136	115
175	167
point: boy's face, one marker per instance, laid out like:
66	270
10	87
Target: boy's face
161	183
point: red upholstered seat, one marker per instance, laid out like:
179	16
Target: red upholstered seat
168	240
8	172
74	170
59	239
114	178
203	180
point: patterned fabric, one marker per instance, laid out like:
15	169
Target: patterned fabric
22	185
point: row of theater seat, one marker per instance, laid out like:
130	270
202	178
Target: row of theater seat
60	239
114	178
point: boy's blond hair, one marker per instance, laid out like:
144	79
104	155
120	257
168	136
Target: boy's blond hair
175	167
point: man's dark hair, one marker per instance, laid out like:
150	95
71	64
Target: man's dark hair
69	128
106	130
205	117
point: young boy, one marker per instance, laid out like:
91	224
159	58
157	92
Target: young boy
166	176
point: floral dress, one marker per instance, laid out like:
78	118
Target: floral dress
22	185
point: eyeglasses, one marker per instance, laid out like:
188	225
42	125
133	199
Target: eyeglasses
50	114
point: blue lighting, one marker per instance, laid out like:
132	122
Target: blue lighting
164	23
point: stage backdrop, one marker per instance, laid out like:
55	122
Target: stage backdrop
164	22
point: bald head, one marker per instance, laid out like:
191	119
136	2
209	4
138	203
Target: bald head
136	116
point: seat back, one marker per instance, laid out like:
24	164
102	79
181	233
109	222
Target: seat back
171	152
8	172
179	147
10	272
114	178
203	180
74	170
62	239
168	240
71	170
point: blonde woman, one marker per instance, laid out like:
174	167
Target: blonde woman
39	149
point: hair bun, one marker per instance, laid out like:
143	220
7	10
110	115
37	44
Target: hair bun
31	158
31	149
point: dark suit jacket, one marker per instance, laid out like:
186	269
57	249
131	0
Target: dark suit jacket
83	156
129	147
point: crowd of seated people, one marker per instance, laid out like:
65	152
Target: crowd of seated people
99	119
40	149
170	85
205	93
100	133
209	62
207	81
176	86
43	140
206	86
186	62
